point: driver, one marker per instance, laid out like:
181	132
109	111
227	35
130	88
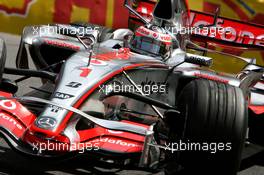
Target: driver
153	41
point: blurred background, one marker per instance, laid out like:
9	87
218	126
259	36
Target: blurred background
15	14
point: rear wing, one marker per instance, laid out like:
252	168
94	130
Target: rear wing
228	31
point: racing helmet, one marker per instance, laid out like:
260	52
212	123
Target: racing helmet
154	41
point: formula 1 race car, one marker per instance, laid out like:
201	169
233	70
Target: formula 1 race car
130	98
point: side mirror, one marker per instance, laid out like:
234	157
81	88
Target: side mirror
2	57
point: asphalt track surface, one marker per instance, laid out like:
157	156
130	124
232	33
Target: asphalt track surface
13	163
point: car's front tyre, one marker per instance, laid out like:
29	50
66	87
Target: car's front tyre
213	115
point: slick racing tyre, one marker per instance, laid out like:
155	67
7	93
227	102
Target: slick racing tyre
214	118
2	58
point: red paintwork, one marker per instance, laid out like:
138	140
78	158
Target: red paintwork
12	124
117	144
14	117
98	131
117	141
98	62
210	77
257	109
62	44
145	9
123	53
85	71
97	137
60	143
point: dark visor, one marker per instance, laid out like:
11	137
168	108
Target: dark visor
149	45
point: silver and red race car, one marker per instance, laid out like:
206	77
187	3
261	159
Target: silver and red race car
139	97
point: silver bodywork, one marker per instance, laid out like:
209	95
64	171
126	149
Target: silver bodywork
74	86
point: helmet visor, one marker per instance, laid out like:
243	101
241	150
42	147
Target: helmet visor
149	45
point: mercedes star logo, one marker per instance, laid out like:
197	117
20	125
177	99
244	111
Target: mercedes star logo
46	122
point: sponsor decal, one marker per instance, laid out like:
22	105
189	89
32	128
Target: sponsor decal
8	104
143	31
211	77
155	35
116	142
165	38
123	54
62	44
11	120
74	84
47	122
98	62
233	31
146	32
62	96
54	108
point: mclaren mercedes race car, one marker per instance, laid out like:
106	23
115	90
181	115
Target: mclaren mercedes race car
130	97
